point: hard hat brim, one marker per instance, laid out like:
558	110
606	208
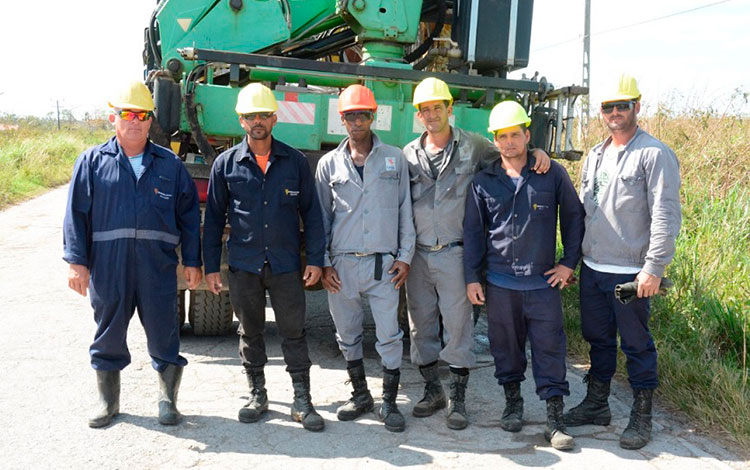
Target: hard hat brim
623	97
524	124
125	105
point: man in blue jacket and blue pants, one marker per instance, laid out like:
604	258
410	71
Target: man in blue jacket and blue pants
130	203
510	229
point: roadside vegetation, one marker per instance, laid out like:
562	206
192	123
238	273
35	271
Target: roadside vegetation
35	156
702	327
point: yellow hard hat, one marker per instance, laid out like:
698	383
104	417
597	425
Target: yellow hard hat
431	89
256	98
627	89
507	114
133	96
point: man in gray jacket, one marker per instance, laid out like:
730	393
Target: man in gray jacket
442	163
363	186
631	193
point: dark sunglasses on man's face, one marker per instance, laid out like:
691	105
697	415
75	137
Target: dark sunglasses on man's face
353	116
252	116
133	115
623	106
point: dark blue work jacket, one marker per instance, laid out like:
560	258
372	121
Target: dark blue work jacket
513	229
263	209
107	206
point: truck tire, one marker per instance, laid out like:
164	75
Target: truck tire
210	314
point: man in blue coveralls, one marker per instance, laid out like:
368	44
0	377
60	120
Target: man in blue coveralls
510	228
264	186
130	203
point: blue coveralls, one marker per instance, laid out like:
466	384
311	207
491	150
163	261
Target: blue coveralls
512	229
126	230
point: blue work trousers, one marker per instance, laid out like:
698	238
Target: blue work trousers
602	316
515	315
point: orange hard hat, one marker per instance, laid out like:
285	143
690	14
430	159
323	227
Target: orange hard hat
356	97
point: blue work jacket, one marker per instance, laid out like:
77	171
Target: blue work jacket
263	209
513	229
108	205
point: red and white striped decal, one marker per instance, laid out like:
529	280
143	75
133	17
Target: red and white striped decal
294	112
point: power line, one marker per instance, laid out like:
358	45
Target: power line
618	28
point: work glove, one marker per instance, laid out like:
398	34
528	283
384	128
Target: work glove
628	291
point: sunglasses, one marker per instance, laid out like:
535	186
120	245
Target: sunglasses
623	106
352	116
252	116
133	115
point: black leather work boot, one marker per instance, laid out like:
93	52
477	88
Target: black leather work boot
361	401
388	413
457	417
169	386
302	407
434	396
258	402
594	409
108	385
512	420
556	433
638	432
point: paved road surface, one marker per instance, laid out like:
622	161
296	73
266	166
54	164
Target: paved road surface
47	388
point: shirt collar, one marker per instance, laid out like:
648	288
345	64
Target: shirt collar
276	150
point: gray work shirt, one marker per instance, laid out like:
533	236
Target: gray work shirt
637	218
374	216
438	203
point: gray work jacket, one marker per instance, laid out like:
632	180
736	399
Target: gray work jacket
374	217
638	217
438	204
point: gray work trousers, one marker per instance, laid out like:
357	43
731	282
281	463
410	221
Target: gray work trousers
436	287
357	276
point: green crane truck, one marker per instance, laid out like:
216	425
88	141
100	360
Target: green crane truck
199	53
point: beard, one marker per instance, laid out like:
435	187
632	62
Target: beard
259	133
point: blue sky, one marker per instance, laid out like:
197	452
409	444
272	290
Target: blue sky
75	51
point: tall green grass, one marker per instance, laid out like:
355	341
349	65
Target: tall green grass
37	156
702	327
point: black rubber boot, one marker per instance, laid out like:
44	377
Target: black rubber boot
556	433
169	386
258	402
302	407
638	432
512	420
361	401
389	413
594	409
108	384
434	396
457	417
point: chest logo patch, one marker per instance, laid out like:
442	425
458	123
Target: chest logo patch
162	195
390	164
290	192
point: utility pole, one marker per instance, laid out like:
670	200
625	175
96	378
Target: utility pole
57	102
584	122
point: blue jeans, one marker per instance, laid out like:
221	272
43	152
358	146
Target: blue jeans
602	316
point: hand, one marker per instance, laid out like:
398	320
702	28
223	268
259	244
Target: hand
78	278
560	276
542	161
475	293
402	270
330	280
214	282
648	284
311	275
193	276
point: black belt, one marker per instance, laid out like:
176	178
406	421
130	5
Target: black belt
378	262
439	247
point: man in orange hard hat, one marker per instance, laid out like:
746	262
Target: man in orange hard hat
130	203
442	163
264	187
630	188
363	187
